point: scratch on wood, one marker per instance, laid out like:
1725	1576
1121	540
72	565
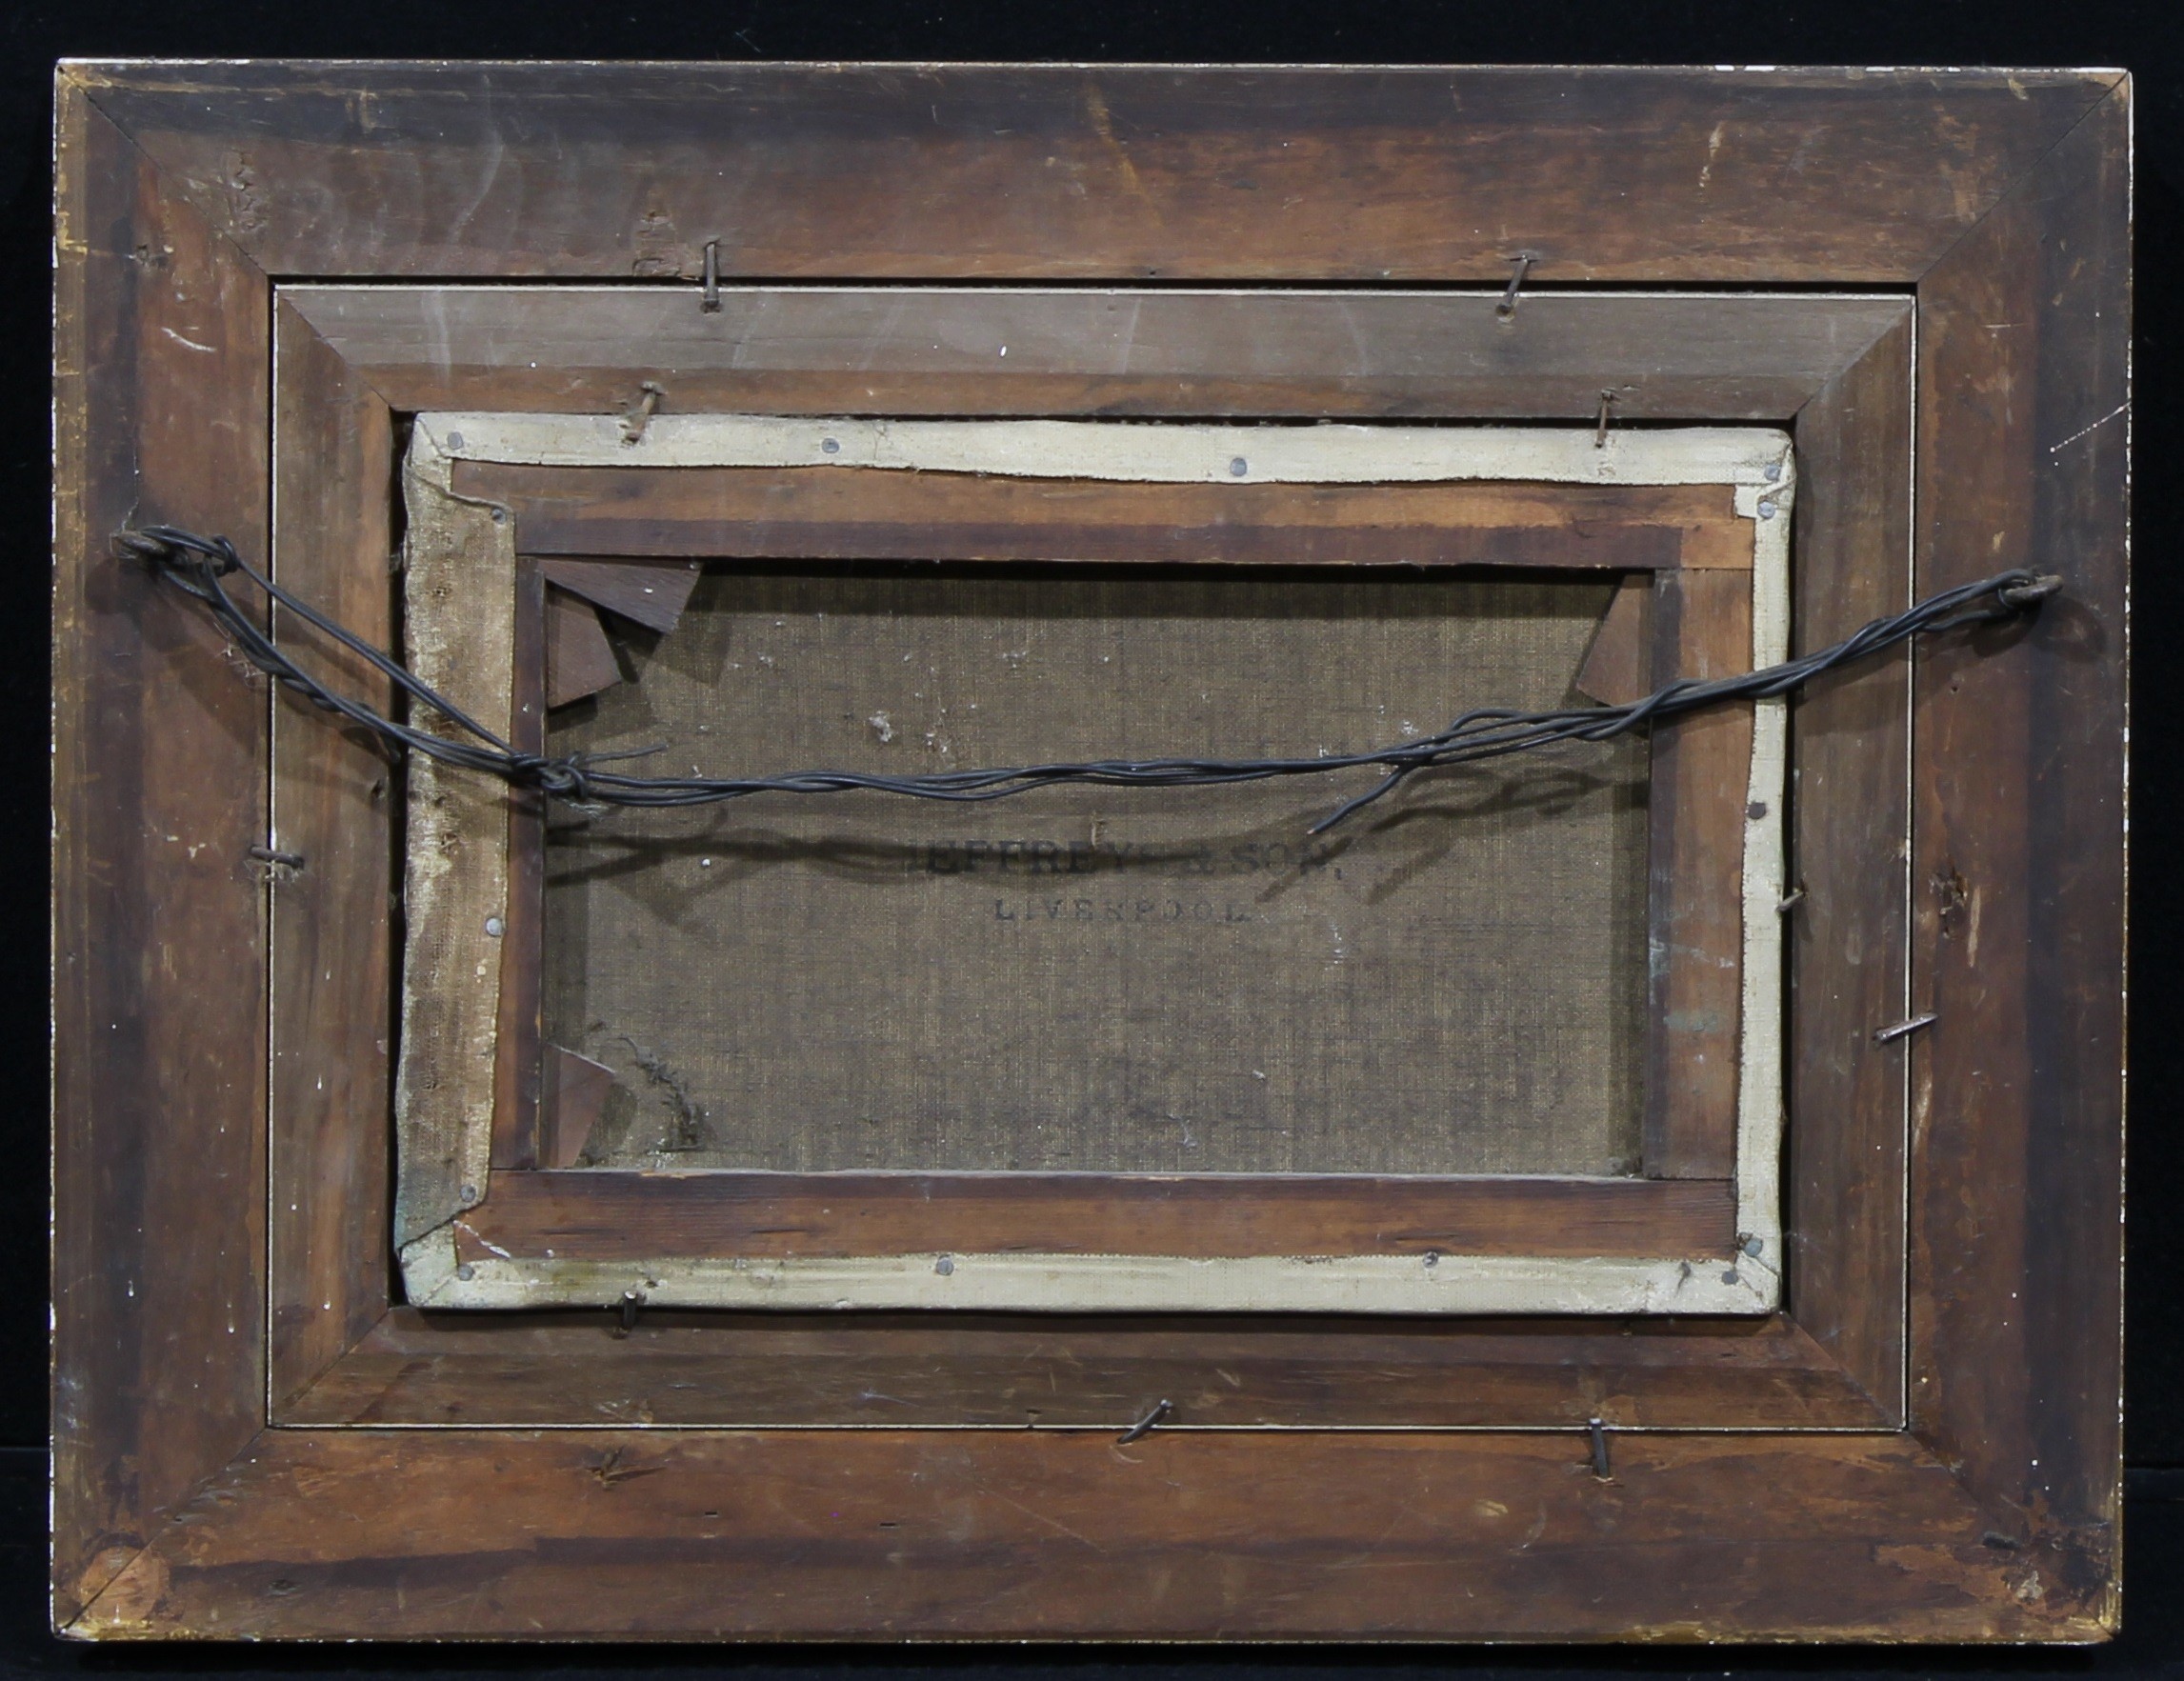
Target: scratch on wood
611	1470
2088	431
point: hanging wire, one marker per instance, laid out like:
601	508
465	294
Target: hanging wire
196	565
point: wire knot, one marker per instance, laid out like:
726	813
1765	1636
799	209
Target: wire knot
169	549
2028	591
562	778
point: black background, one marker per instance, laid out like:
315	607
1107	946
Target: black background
2145	36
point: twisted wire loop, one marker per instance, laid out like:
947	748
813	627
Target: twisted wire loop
195	566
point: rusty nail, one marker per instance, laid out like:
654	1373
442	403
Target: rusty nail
634	421
710	302
1508	305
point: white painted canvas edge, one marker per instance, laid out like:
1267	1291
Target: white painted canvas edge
1757	461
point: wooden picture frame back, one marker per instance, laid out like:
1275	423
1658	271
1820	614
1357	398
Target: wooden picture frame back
200	1490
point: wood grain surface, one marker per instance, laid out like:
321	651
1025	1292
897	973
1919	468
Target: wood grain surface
604	1214
653	597
792	1370
579	659
2017	856
1847	932
1695	913
891	172
517	1064
332	933
887	1535
732	513
162	368
909	350
1619	666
